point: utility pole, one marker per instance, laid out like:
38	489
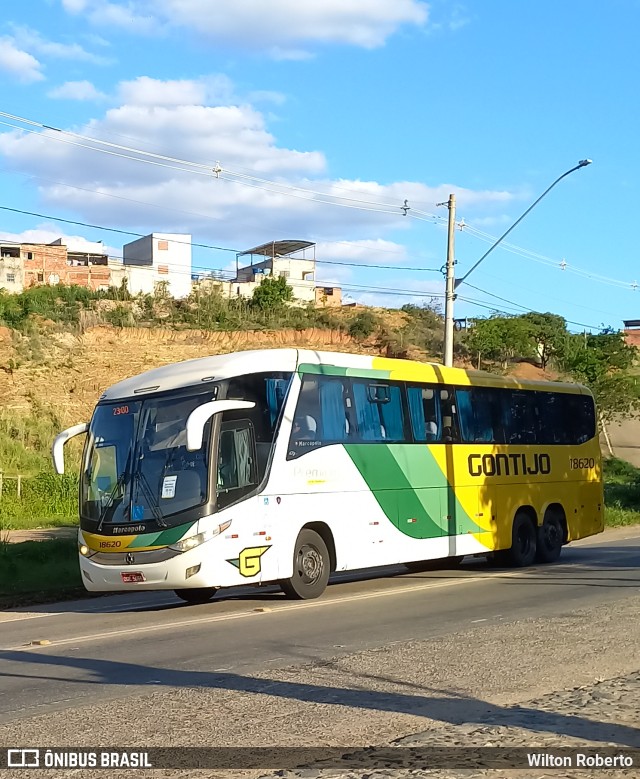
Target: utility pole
449	289
452	283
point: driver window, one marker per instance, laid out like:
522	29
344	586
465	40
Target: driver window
236	462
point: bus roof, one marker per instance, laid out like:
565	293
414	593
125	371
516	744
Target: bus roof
200	371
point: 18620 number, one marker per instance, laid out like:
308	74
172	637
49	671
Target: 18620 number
579	463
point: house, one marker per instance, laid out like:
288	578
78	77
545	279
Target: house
632	332
293	260
24	265
156	258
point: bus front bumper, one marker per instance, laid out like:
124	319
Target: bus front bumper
195	568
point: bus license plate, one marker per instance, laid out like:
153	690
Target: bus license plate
130	578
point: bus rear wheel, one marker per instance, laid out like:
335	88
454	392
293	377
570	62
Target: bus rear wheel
197	594
311	568
550	537
524	539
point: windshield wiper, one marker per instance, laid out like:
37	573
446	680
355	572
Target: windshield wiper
139	476
110	500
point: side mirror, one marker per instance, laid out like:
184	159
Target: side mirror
57	450
199	417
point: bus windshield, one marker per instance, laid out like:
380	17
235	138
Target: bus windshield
137	467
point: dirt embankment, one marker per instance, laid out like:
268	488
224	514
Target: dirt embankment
69	372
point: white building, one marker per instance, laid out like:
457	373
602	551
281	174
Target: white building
156	258
293	260
288	259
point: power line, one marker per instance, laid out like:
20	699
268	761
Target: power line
211	246
112	229
523	308
288	190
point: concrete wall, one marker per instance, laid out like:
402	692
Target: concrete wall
11	273
625	440
298	273
156	258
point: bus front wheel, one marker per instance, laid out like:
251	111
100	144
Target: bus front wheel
197	594
311	568
524	539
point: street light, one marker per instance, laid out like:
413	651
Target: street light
452	284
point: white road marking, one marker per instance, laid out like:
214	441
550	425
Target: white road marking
244	614
9	616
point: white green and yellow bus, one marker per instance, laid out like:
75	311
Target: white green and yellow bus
285	465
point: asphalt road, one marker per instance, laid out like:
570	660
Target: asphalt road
122	646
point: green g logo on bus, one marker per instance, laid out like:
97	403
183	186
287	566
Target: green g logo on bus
248	562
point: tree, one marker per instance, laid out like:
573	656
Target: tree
602	362
549	333
501	338
272	293
364	324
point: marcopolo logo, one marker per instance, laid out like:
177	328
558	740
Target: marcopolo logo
509	464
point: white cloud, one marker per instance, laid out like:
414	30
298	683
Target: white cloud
264	191
411	292
130	16
18	63
454	18
267	96
366	251
74	6
76	90
31	40
280	54
145	91
280	26
48	233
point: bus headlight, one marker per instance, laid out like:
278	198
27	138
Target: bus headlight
83	549
192	541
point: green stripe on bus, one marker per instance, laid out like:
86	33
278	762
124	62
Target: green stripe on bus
411	489
162	538
334	370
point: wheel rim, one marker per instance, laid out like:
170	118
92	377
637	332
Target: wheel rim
309	564
551	535
524	540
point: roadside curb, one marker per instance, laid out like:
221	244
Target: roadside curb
38	534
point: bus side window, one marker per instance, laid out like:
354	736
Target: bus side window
580	416
320	417
424	411
480	415
449	413
333	412
552	418
379	413
523	427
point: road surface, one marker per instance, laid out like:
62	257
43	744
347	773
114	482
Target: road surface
55	658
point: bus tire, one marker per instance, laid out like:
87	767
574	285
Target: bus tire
311	567
196	594
550	538
524	539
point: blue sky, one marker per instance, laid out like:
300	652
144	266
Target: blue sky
324	117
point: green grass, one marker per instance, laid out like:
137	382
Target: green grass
38	572
46	571
621	493
47	500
